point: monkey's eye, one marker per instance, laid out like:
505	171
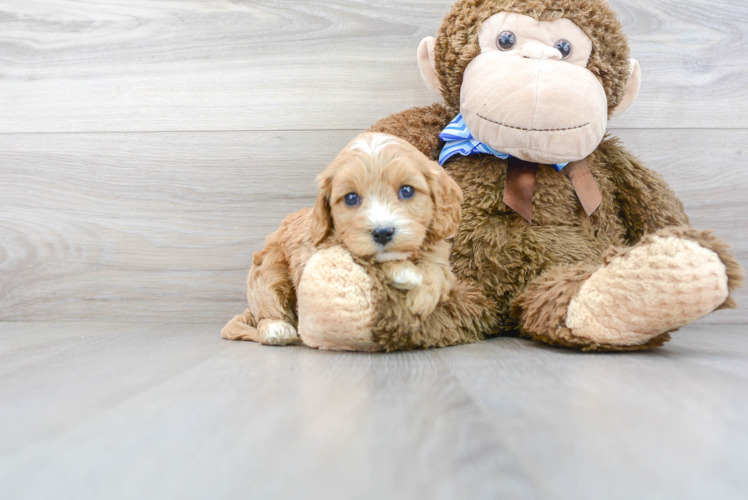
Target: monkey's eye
506	40
564	47
407	192
352	199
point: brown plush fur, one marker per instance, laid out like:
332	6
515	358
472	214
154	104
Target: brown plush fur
375	167
528	273
457	320
499	253
541	308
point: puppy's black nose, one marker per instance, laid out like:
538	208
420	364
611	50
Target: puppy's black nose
383	235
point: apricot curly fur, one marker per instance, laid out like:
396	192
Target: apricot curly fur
377	174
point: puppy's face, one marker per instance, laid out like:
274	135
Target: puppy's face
383	197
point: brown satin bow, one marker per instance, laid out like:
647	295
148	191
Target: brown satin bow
520	186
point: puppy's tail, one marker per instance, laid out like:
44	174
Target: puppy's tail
240	328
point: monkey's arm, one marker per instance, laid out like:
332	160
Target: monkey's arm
419	126
645	200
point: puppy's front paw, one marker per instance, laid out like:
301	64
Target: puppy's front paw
276	332
406	278
422	301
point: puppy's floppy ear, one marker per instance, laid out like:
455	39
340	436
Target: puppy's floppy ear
447	197
321	216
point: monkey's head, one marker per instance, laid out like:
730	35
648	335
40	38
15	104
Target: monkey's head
536	79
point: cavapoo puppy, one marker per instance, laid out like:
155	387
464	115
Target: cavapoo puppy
383	201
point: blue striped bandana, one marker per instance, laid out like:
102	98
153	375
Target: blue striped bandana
459	140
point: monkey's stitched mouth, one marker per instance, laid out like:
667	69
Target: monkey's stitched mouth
533	129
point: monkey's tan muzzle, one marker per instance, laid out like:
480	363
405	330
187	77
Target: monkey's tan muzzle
538	109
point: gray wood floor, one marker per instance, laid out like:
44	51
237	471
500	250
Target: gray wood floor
112	410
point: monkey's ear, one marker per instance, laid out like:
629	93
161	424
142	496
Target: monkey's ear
632	88
427	64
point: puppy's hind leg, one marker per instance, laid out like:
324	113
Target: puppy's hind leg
268	331
271	298
240	328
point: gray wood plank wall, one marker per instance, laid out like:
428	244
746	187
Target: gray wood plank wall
148	147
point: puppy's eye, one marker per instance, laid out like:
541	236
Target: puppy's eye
407	192
563	46
506	40
352	199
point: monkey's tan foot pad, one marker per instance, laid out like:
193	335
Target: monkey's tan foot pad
276	332
654	287
335	299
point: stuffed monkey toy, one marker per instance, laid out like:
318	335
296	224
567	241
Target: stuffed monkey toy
565	237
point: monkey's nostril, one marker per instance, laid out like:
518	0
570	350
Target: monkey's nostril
383	235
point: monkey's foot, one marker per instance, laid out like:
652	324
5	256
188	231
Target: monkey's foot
669	279
336	304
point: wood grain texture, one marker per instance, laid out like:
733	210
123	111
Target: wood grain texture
107	410
90	66
163	225
127	224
